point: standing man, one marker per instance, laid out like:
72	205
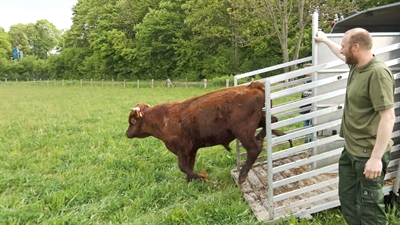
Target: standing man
367	125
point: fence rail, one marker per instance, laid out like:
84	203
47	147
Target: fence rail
125	83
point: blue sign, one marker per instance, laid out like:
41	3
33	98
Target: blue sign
15	53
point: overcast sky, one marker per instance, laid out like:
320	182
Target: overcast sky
58	12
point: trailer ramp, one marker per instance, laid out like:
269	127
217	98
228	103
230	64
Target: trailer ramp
300	198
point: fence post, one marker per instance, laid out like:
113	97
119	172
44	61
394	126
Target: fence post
124	83
54	82
81	82
102	82
91	82
72	82
62	82
16	80
112	81
48	80
186	82
227	82
152	83
137	81
5	80
34	81
205	83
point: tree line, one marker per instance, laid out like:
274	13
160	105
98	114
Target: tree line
160	39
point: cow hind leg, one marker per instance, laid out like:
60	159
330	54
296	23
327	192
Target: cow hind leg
253	148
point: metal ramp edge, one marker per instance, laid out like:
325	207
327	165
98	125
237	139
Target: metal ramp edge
301	201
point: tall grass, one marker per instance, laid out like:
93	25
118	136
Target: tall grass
65	159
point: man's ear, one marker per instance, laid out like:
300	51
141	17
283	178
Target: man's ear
356	47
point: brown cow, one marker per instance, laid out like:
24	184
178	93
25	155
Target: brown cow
215	118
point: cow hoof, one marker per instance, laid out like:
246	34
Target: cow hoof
195	177
242	179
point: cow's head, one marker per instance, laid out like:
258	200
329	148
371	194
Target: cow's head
136	121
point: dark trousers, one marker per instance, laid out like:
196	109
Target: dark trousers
361	199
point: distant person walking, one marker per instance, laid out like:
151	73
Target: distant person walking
367	124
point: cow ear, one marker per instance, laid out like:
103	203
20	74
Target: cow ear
133	121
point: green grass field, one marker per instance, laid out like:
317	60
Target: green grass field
65	159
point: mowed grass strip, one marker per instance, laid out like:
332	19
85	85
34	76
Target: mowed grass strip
65	159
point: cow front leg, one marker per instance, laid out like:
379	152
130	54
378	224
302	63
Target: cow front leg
192	159
253	148
186	165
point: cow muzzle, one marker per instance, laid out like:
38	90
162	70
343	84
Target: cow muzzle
129	134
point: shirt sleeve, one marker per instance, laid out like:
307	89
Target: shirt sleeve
382	91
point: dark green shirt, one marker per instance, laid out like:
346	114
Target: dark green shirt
370	89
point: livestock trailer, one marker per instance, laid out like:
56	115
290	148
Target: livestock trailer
303	179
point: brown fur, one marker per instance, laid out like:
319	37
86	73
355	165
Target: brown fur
215	118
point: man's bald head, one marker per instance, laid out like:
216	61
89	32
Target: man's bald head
359	36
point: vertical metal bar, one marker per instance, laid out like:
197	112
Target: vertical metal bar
314	75
314	32
269	148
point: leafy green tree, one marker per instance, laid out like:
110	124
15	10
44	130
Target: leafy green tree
16	70
43	37
104	31
28	66
156	41
207	51
333	10
5	55
18	37
129	13
4	68
69	64
366	4
108	61
228	39
35	39
289	19
253	48
195	39
56	65
5	46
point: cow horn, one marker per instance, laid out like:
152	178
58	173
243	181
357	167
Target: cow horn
137	111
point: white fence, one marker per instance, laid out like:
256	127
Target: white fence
152	83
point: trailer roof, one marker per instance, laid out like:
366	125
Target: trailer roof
384	18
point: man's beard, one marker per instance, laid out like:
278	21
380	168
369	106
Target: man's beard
351	60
